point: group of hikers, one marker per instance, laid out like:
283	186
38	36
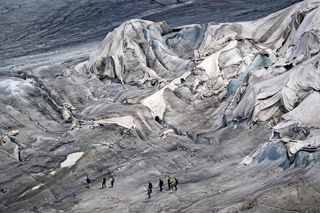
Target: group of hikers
172	185
104	182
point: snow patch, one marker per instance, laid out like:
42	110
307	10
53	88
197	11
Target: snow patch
71	159
125	121
37	187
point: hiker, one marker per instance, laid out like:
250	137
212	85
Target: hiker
149	190
160	184
112	181
169	185
104	183
4	190
88	181
176	182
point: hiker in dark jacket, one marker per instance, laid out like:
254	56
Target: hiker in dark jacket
149	190
176	182
88	181
160	184
104	183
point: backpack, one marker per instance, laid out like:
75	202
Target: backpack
177	182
